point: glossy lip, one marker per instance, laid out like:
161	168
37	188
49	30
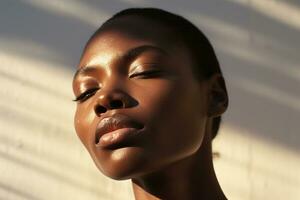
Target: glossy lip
120	138
116	124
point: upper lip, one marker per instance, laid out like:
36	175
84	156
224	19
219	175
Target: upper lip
114	122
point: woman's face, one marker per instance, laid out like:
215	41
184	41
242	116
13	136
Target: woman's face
140	107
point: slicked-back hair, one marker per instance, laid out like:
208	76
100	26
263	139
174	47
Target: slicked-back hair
204	58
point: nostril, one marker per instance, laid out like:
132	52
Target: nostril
116	104
100	109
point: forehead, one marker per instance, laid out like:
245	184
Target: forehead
120	35
114	45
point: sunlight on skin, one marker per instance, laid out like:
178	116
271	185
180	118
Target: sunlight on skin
99	61
254	161
237	158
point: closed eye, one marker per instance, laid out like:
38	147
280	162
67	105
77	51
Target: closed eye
85	95
147	74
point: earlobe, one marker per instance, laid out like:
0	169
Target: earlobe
217	96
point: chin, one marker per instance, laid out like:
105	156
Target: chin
121	164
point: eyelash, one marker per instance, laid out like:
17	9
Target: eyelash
147	74
85	95
90	92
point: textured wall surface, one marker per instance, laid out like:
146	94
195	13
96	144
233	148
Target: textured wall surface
258	45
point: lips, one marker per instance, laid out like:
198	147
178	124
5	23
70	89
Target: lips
114	123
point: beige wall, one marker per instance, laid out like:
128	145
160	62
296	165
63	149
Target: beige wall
257	42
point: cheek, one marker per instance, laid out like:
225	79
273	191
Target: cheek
83	121
175	114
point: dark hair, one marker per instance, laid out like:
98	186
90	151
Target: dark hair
206	62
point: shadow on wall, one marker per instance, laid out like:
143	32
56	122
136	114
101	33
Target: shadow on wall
259	56
63	32
274	45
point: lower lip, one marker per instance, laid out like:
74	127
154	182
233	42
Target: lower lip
115	138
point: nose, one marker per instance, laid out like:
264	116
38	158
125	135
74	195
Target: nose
109	100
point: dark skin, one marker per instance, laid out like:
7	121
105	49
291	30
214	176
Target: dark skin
141	73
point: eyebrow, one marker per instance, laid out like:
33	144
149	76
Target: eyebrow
131	54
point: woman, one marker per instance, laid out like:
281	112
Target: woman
150	97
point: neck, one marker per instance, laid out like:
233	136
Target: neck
191	178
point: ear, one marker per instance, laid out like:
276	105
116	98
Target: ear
217	96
